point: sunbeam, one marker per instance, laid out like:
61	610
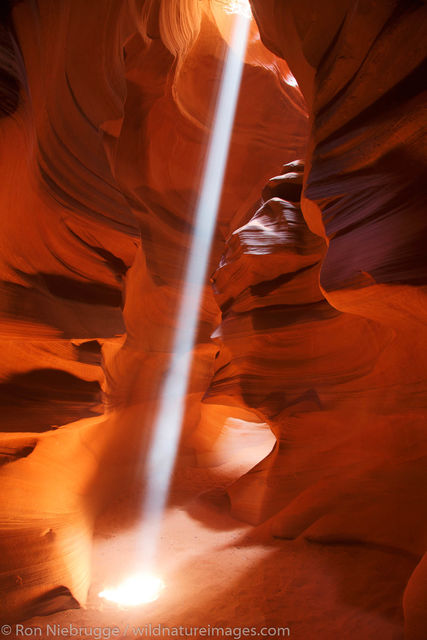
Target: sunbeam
163	447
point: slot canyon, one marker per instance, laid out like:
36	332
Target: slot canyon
296	500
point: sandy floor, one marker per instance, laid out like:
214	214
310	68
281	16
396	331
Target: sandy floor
222	573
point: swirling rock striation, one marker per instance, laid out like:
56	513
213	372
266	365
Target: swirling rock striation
103	141
361	68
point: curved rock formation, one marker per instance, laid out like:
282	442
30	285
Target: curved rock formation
364	192
101	162
313	321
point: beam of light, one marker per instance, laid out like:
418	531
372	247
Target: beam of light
167	428
238	6
162	453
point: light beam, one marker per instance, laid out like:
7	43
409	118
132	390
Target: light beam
166	433
163	449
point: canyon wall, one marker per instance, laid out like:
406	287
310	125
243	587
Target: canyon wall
314	317
104	135
349	465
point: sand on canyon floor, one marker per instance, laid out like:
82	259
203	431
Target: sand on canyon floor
221	573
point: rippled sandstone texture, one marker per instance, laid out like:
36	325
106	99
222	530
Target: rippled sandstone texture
101	159
350	464
102	143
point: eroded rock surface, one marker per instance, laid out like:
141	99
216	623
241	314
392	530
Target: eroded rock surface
360	66
317	301
103	141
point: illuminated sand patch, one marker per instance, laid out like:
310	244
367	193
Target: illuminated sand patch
135	590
